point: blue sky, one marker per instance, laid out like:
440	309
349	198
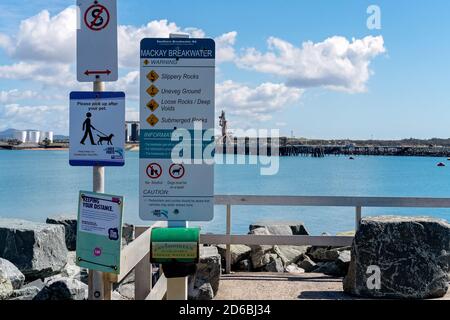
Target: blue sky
390	84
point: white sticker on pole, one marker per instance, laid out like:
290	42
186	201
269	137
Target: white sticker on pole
97	53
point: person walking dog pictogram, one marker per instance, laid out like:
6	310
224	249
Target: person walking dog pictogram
87	128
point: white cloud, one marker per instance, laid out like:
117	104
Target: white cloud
225	47
54	118
335	63
131	36
12	96
257	103
45	38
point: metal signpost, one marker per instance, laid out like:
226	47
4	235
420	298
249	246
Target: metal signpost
177	92
97	62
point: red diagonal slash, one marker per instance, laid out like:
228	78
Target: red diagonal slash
98	16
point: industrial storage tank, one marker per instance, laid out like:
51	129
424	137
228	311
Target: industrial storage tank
20	135
46	135
33	136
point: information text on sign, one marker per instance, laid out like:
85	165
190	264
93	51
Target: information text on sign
177	92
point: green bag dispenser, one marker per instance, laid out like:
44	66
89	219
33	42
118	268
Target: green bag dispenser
176	249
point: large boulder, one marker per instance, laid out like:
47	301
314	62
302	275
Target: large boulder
6	288
306	263
238	252
71	270
69	222
24	294
38	250
208	273
63	289
282	228
410	254
290	254
287	254
10	272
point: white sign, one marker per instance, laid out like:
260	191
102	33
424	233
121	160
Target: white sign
97	53
177	92
97	129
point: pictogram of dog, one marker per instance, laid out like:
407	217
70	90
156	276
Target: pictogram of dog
106	139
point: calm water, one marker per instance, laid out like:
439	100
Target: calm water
36	184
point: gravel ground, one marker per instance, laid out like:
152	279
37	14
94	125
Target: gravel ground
282	286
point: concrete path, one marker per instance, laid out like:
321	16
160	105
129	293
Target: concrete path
282	286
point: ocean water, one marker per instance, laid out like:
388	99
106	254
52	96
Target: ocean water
37	184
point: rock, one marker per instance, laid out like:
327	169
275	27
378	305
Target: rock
275	265
325	254
244	265
290	254
6	288
127	233
10	272
36	283
25	294
307	264
408	253
117	296
238	252
38	250
258	252
71	270
329	268
63	289
204	292
293	268
282	228
208	272
259	259
127	290
69	222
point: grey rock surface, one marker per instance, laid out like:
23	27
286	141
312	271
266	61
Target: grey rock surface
6	288
238	252
63	289
38	250
408	253
25	294
307	264
69	222
10	272
282	228
209	270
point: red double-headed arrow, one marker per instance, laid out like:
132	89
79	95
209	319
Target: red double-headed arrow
89	72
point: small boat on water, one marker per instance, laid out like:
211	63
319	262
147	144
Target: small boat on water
441	164
351	158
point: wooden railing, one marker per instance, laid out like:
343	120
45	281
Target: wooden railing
135	256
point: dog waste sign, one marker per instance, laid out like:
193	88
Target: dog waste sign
177	87
97	129
99	232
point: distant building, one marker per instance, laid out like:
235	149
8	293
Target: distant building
46	135
20	135
33	136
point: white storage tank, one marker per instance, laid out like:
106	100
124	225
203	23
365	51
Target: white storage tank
46	135
33	136
20	135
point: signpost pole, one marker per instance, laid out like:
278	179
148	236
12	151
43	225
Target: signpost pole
96	279
177	288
